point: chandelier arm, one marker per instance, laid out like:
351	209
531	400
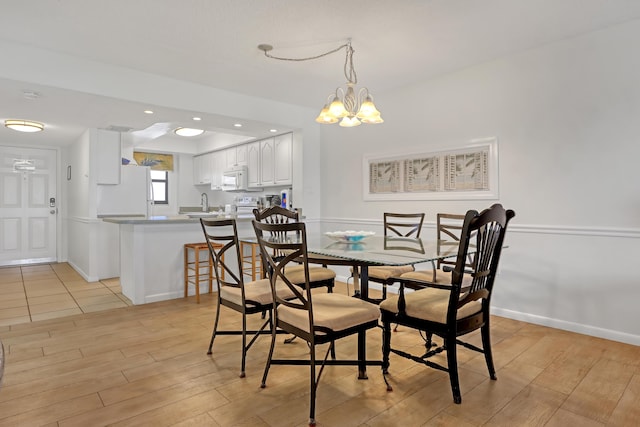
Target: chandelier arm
268	55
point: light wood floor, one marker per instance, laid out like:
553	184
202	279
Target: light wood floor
47	291
147	365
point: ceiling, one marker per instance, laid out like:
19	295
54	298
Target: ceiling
214	43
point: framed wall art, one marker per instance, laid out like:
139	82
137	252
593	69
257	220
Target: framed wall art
469	171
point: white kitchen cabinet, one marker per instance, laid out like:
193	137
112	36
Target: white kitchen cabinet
270	161
236	156
218	160
266	162
202	169
282	159
108	153
253	164
241	154
231	157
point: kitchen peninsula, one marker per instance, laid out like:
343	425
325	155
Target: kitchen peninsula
152	257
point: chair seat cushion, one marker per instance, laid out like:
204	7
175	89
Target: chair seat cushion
383	272
429	304
258	291
295	273
427	275
334	311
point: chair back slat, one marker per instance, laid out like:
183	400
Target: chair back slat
276	215
403	225
448	230
272	238
222	239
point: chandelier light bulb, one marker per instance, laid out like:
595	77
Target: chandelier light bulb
325	116
349	122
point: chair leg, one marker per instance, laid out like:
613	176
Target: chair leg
314	386
386	346
215	328
452	361
486	346
244	345
273	343
429	341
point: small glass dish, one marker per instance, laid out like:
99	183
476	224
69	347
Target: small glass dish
349	236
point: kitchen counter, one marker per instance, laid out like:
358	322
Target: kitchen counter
171	219
152	253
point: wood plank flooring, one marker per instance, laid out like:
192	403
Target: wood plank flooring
147	365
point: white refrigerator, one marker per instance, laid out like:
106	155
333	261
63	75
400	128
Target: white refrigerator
131	197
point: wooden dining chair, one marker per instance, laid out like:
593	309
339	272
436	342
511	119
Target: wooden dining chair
397	225
321	276
243	297
317	318
454	309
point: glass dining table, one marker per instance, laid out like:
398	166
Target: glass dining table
372	251
375	251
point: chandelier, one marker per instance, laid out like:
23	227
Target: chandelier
353	107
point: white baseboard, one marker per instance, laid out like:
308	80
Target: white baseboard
568	326
544	321
82	273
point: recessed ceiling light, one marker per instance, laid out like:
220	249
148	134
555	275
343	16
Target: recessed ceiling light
188	131
24	125
148	112
238	125
273	130
197	119
31	94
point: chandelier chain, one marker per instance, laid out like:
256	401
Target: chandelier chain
349	71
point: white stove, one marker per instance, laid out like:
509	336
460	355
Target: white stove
245	206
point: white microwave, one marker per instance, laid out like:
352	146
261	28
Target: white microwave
235	179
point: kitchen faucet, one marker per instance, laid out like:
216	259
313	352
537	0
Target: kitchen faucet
204	202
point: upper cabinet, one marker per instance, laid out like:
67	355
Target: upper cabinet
235	156
202	169
270	161
241	154
282	159
217	167
108	153
253	164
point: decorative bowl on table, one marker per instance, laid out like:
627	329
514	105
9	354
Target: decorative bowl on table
349	236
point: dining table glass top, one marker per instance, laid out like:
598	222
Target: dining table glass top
376	250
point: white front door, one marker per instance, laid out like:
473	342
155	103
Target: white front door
28	205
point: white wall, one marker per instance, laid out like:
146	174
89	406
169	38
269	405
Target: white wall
566	116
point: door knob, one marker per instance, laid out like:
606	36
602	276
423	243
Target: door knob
52	211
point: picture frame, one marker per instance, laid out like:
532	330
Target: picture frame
469	171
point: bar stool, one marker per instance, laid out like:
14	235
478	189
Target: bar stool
251	263
197	268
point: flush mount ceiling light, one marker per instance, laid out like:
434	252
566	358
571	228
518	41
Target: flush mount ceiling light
188	131
24	125
353	108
